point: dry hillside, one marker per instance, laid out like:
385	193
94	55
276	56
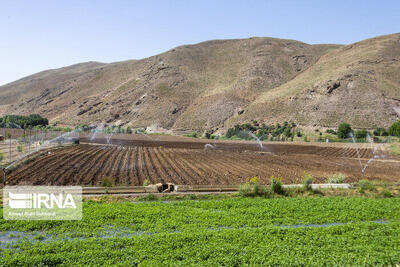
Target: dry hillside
215	84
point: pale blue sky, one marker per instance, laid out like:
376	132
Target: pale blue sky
38	35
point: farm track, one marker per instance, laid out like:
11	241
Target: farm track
131	162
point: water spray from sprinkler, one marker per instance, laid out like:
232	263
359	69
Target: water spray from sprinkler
209	146
257	139
358	152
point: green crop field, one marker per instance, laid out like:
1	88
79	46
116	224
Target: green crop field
228	231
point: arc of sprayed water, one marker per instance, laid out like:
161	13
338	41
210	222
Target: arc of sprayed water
208	146
358	152
374	151
257	139
39	145
95	132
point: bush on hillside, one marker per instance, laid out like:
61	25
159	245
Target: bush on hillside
381	132
344	130
361	134
395	129
330	131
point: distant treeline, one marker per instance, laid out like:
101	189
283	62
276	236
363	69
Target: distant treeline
23	122
262	131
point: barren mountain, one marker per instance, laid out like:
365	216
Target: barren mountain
215	84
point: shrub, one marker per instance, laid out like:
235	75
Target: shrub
330	131
194	135
207	135
385	194
254	180
148	197
395	128
244	190
365	185
337	178
276	185
381	132
252	188
307	179
19	148
361	134
146	182
1	156
344	130
107	181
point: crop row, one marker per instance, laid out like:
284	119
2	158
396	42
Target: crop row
232	231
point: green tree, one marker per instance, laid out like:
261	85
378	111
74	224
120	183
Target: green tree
344	130
361	134
381	132
395	128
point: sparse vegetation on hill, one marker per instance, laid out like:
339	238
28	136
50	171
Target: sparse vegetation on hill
222	83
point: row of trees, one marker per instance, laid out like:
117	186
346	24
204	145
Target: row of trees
24	122
263	131
344	131
110	129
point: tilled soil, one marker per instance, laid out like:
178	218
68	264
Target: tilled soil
130	162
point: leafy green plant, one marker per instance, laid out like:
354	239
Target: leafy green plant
193	135
1	156
253	188
277	186
307	179
344	130
148	197
107	181
244	190
361	134
19	148
330	131
146	182
394	129
337	178
254	180
380	132
385	194
365	185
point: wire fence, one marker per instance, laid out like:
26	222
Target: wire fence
16	144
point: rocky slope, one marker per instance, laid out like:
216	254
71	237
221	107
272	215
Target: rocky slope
215	84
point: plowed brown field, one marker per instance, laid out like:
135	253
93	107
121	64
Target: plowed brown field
185	161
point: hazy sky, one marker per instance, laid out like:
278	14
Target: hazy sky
37	35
